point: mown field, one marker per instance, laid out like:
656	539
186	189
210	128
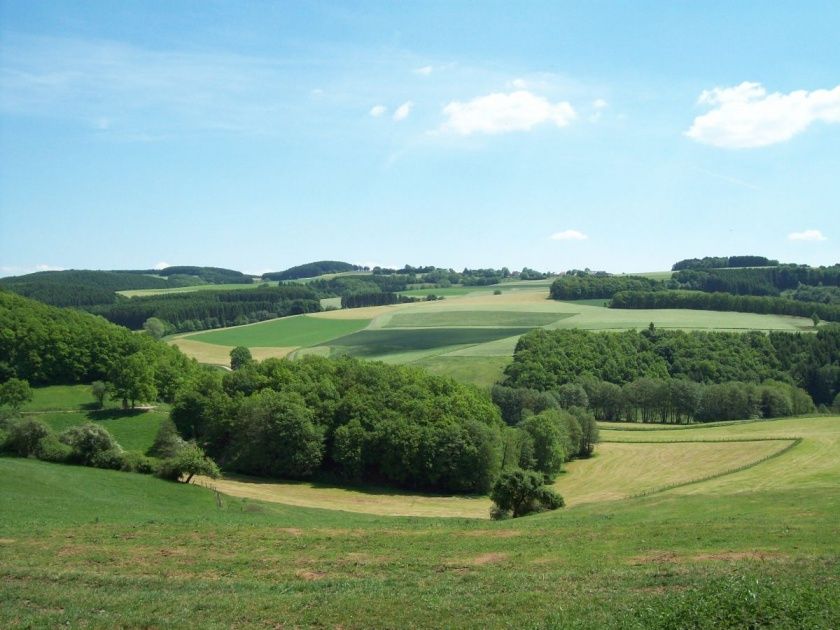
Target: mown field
470	336
198	287
755	545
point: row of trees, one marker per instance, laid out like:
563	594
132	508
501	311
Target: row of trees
200	310
726	302
587	287
757	281
313	269
718	262
672	376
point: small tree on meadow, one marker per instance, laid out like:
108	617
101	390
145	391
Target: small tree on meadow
520	492
190	461
14	393
99	391
154	327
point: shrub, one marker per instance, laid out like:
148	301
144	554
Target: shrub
111	459
167	441
137	463
14	393
87	440
24	435
521	492
50	449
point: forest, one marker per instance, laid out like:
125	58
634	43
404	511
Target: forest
676	376
201	310
726	302
313	269
719	262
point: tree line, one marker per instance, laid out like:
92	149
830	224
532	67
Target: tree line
718	262
200	310
587	287
725	302
313	269
674	376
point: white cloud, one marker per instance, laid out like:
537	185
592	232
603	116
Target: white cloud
425	71
599	103
807	235
746	116
14	270
377	110
501	113
402	112
161	265
569	235
519	84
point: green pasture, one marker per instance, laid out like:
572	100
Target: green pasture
376	343
448	291
483	372
757	547
449	319
56	397
198	287
134	430
298	330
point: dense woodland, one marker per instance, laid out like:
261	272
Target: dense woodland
726	302
85	288
676	376
200	310
587	287
313	269
720	262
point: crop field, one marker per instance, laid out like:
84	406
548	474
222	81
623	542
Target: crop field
477	324
198	287
298	330
757	540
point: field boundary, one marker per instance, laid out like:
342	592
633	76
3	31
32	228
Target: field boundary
793	443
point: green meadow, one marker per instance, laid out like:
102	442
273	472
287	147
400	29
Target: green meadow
199	287
299	330
753	545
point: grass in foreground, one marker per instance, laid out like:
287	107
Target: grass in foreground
105	549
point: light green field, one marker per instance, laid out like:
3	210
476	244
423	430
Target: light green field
755	545
448	319
133	430
57	397
198	287
299	330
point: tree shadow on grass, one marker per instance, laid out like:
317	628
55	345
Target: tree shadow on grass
113	414
369	489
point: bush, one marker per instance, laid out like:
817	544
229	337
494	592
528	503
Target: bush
137	463
111	459
24	435
167	441
50	449
520	492
87	441
14	393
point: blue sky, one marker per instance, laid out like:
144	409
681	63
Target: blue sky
611	135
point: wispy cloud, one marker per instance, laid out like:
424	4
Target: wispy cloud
501	113
402	112
746	116
424	71
807	235
161	265
123	88
569	235
377	110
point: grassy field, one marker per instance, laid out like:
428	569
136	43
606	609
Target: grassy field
198	287
754	548
63	406
379	343
299	330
